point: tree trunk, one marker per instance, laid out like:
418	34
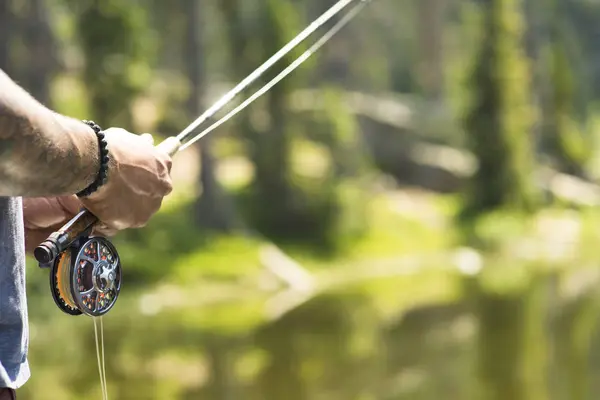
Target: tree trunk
6	32
536	41
34	63
564	140
431	33
41	63
268	144
213	208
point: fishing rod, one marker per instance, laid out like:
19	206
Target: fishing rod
85	270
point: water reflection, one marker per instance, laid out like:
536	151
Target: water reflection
488	346
531	343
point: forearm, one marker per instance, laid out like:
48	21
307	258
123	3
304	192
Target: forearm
42	153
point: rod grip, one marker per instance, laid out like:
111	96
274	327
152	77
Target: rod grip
170	145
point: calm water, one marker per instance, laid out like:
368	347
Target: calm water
526	345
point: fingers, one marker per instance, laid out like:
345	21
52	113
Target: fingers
38	213
45	212
71	204
101	229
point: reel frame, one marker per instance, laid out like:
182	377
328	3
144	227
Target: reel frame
86	277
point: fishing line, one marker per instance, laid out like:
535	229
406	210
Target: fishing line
103	362
101	366
323	19
305	56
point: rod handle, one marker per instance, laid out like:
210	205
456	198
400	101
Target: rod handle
170	145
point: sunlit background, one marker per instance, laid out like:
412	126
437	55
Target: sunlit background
412	214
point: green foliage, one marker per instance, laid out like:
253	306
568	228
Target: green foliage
500	118
209	263
117	56
186	250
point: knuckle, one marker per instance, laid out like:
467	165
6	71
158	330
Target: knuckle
167	187
141	224
108	232
156	207
141	221
162	165
165	180
169	164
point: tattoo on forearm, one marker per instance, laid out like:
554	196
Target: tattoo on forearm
41	153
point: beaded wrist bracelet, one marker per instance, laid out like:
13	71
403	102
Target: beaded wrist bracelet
104	159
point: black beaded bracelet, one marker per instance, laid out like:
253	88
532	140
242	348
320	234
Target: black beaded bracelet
104	159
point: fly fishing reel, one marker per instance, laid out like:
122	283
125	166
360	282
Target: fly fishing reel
86	278
85	272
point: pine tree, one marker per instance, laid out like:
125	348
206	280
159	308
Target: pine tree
500	120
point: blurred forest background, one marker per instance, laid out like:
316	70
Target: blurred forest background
413	214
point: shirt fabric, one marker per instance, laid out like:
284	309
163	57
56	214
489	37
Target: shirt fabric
14	329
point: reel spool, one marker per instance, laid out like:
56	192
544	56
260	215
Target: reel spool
86	277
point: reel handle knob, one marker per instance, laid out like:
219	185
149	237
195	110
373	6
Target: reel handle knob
45	253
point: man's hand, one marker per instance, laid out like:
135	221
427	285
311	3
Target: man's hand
42	216
44	154
137	183
138	180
